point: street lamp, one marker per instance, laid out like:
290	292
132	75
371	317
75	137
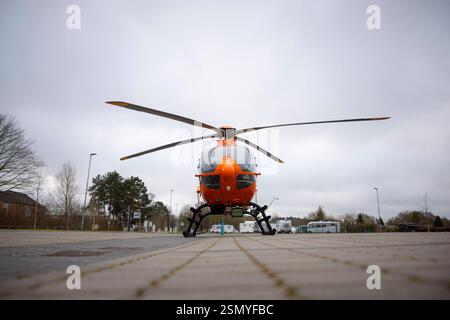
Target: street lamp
170	211
272	201
85	194
379	215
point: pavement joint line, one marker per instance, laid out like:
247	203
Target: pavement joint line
409	277
165	276
37	285
289	291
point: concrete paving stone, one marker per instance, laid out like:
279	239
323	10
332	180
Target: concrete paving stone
391	289
255	291
17	238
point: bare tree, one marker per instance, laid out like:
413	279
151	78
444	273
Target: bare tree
19	164
66	190
425	207
348	218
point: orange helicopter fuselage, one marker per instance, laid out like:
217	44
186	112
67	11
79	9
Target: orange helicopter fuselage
229	180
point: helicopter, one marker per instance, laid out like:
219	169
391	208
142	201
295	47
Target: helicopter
227	171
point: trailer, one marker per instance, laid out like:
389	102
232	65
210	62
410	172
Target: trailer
323	227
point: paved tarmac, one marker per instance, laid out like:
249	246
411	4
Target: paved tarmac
26	253
162	266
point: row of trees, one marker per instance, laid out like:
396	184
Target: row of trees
361	222
115	195
112	195
423	218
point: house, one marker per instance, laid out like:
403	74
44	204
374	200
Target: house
16	204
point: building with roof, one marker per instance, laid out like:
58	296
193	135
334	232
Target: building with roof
17	205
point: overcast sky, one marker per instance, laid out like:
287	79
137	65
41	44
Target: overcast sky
241	63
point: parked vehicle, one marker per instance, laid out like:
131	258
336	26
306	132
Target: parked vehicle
215	228
323	227
227	228
247	227
408	227
283	226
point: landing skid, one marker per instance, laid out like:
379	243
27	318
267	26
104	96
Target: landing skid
256	211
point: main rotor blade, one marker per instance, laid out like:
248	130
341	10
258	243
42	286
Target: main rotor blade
267	153
312	122
170	145
164	114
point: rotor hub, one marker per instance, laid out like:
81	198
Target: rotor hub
228	132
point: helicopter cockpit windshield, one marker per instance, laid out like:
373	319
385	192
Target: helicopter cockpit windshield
241	155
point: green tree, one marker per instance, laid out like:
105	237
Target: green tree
360	222
158	213
437	222
415	217
319	214
360	219
136	196
117	195
183	216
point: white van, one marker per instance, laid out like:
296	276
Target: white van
215	228
283	226
323	227
247	227
227	228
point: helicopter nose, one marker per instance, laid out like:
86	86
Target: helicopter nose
228	174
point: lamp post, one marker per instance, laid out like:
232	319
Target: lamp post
276	198
379	215
85	194
170	211
37	198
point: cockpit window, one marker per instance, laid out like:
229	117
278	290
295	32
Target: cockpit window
242	155
210	159
244	180
212	182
